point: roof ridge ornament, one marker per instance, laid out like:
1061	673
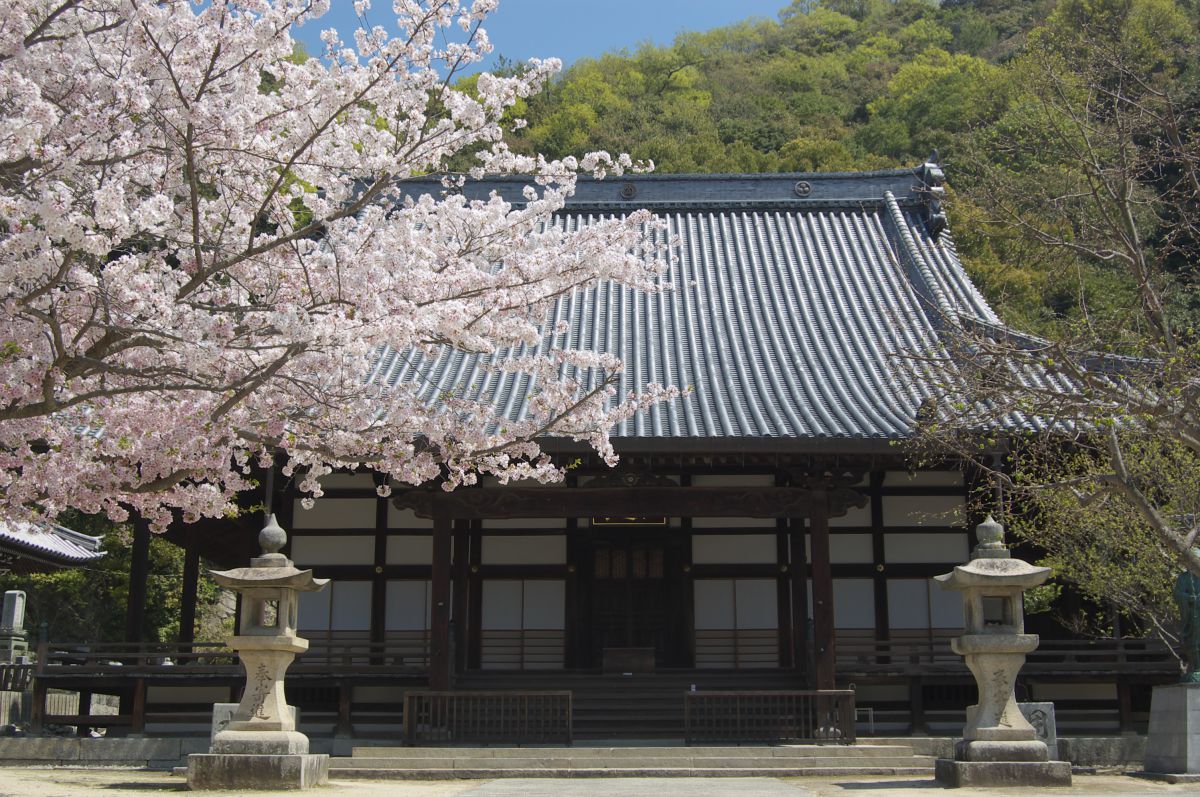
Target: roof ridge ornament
932	190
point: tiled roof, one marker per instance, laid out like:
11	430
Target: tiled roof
792	297
47	543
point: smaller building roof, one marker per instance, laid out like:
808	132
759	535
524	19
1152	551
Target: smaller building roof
43	545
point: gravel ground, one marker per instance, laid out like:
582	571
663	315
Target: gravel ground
36	782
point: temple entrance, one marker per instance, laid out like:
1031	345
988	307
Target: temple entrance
633	599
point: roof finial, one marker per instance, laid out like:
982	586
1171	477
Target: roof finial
933	156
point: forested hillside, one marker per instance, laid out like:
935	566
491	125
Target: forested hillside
861	84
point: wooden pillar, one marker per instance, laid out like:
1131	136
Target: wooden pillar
822	577
139	568
461	603
439	643
37	711
799	583
916	706
84	709
1125	707
138	724
187	598
344	727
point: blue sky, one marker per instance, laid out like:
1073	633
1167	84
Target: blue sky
570	29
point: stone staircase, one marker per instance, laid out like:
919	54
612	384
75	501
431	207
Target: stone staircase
433	763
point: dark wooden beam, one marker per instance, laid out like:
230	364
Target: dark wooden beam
797	568
822	578
440	663
461	601
632	501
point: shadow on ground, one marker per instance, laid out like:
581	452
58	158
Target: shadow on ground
889	784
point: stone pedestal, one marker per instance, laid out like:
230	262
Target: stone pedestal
957	774
1173	744
271	772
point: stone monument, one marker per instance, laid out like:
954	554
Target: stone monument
13	642
1173	743
260	748
999	747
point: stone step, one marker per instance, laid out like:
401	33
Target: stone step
617	752
346	773
648	762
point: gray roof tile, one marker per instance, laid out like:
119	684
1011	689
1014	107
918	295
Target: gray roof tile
785	316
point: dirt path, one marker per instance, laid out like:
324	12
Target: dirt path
138	783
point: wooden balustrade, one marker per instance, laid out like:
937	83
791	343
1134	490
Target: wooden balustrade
930	656
402	660
818	717
15	677
740	648
487	717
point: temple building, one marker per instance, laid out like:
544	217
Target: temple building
763	531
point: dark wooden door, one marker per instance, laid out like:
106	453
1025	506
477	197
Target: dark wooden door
631	600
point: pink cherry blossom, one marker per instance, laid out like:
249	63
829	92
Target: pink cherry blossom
203	249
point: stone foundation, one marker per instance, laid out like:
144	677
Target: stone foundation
955	774
1173	744
210	771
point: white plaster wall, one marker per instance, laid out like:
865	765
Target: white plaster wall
757	602
734	549
335	513
713	604
341	606
722	604
540	549
923	478
314	610
918	548
908	603
410	549
856	516
531	604
406	519
525	523
341	549
502	601
407	605
351	606
924	510
850	549
545	606
853	603
945	607
733	523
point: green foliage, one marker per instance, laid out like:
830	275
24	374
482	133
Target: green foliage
88	604
1105	549
836	85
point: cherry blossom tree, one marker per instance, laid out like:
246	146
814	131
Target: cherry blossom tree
205	242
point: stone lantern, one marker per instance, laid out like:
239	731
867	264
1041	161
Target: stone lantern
999	747
260	747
